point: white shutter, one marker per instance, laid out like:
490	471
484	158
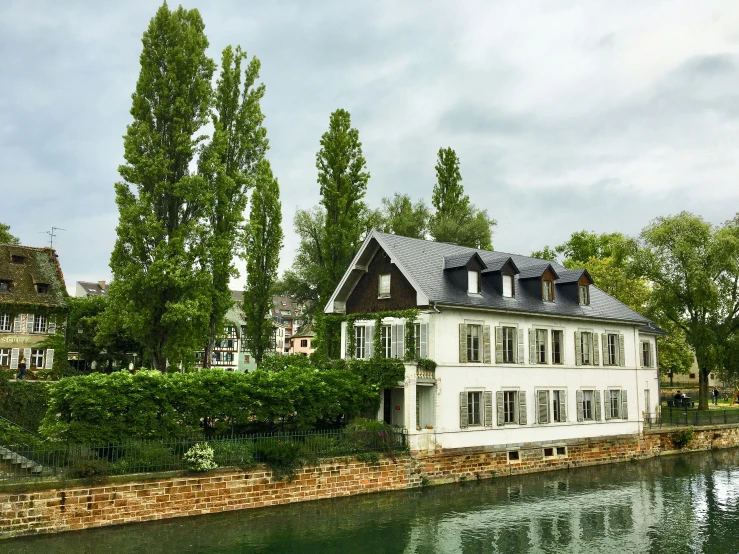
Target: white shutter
542	406
624	406
578	349
580	406
369	341
52	328
49	359
14	356
27	356
17	324
393	341
563	405
29	323
424	340
400	337
463	410
520	360
522	414
532	347
488	408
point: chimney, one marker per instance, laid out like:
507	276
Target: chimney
102	285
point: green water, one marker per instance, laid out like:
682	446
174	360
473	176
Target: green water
677	504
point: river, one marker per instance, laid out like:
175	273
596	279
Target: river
675	504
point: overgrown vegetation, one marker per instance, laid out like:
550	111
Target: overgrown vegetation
24	403
682	438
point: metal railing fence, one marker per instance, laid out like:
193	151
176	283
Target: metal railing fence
682	417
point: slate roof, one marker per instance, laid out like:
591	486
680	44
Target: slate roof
93	289
40	266
459	260
425	262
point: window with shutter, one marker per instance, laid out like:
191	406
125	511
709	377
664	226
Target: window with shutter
4	357
613	404
624	405
500	407
360	337
473	342
542	409
541	346
621	351
595	343
596	403
580	405
510	406
369	341
557	347
474	408
578	348
386	341
498	345
29	323
488	398
14	358
18	324
610	353
587	398
462	343
463	410
520	353
586	348
486	344
522	409
5	324
508	346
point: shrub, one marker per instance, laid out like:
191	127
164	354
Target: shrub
24	403
283	457
682	438
146	457
84	463
200	458
323	445
233	453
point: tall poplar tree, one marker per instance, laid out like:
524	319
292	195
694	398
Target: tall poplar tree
457	220
229	163
161	242
263	243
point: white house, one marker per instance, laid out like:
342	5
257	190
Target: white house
526	351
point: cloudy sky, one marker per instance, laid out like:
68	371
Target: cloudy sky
566	115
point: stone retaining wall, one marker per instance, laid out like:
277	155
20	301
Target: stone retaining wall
82	507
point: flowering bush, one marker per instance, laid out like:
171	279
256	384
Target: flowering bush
200	458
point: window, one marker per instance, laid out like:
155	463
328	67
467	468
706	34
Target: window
417	339
37	358
691	376
473	408
42	288
360	334
615	396
473	282
549	452
230	344
612	352
384	290
586	348
247	358
541	346
473	343
508	286
229	357
4	357
5	324
386	341
510	406
509	345
547	290
303	343
17	259
557	401
561	451
557	349
646	354
584	295
4	286
513	456
39	324
587	405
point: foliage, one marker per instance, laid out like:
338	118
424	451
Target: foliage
456	220
263	243
682	438
6	237
159	262
547	253
401	217
620	282
694	269
365	435
425	363
675	356
285	361
24	403
283	457
233	453
584	245
200	458
13	435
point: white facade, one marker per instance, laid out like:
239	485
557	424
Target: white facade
435	399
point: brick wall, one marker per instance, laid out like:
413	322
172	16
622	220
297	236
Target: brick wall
82	507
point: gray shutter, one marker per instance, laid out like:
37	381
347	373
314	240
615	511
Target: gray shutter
563	405
621	351
532	346
542	406
488	408
595	348
519	333
604	342
49	359
578	349
498	345
624	406
14	357
17	324
52	328
522	415
29	323
486	344
607	404
596	399
369	341
463	410
580	406
424	340
462	343
499	408
649	355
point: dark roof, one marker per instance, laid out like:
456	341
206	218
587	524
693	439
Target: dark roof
461	260
424	261
39	266
93	289
498	263
572	276
537	270
304	333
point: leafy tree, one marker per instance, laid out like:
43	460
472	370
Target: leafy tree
402	217
456	220
6	237
584	245
160	258
694	268
546	253
263	243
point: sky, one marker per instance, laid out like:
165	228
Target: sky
594	115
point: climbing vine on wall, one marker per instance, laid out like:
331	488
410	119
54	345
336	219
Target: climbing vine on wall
410	317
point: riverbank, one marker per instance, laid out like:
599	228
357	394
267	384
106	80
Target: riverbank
79	506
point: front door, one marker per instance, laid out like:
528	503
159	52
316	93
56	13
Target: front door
388	406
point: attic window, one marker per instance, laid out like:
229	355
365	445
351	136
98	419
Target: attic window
15	259
508	286
42	288
384	286
547	290
4	286
584	292
473	282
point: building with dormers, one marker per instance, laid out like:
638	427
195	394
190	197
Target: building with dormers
33	306
526	351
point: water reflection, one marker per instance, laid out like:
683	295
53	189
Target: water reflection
681	504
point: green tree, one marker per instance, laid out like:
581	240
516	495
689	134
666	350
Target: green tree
456	220
584	245
228	163
160	258
402	217
263	243
546	253
694	268
6	237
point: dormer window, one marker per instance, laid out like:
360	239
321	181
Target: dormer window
42	288
508	286
584	292
15	259
473	282
547	290
384	286
4	286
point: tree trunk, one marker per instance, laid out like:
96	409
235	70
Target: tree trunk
703	374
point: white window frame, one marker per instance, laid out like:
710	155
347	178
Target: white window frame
585	402
613	348
383	288
584	294
648	345
6	323
554	404
590	336
473	278
547	290
36	355
513	331
386	341
471	349
616	407
471	405
4	357
508	286
540	346
360	336
561	334
506	405
39	324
